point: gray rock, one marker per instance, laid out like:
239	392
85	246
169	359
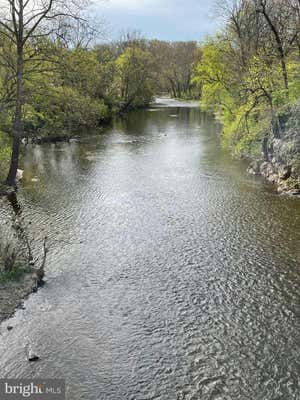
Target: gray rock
282	153
254	168
293	192
284	172
32	357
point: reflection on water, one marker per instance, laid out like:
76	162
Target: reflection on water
172	274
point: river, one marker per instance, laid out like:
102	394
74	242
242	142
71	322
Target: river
172	274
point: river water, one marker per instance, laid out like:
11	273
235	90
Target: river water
172	274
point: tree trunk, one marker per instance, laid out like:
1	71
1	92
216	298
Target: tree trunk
284	72
265	151
279	47
179	90
18	127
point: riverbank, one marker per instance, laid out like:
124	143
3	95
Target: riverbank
278	174
280	162
14	291
19	274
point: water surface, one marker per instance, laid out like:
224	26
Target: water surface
172	273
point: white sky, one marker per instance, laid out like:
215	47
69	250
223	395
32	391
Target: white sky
162	19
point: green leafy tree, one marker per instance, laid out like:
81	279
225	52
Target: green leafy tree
134	80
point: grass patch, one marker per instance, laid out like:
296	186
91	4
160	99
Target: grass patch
15	275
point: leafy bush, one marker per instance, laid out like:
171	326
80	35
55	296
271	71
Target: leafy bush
63	111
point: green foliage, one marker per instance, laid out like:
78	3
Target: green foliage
75	90
63	111
214	77
134	81
246	100
250	72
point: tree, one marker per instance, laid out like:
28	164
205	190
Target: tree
175	63
278	16
243	28
134	79
23	22
250	71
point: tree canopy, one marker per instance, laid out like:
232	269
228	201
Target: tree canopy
250	71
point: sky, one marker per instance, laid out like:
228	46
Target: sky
159	19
